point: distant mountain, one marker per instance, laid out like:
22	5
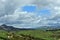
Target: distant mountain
11	28
55	27
7	28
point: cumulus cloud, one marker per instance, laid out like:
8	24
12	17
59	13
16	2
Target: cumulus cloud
24	19
11	13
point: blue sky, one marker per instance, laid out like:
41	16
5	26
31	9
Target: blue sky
29	8
44	12
34	9
30	13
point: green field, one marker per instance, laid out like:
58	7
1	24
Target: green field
47	35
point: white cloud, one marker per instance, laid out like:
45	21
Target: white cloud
9	13
21	18
3	0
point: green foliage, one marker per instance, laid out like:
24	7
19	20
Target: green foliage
31	34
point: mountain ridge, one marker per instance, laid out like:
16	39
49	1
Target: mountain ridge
11	28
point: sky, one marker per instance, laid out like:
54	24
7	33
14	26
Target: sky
30	13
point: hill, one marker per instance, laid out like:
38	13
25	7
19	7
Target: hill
11	28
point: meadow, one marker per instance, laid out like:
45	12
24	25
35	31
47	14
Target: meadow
34	34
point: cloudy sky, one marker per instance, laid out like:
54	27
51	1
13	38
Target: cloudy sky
30	13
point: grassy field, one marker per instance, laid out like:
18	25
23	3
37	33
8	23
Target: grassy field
47	35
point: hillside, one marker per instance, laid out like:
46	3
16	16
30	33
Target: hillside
36	34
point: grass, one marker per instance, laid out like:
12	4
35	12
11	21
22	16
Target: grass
35	33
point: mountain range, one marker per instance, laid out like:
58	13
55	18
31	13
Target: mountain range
11	28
